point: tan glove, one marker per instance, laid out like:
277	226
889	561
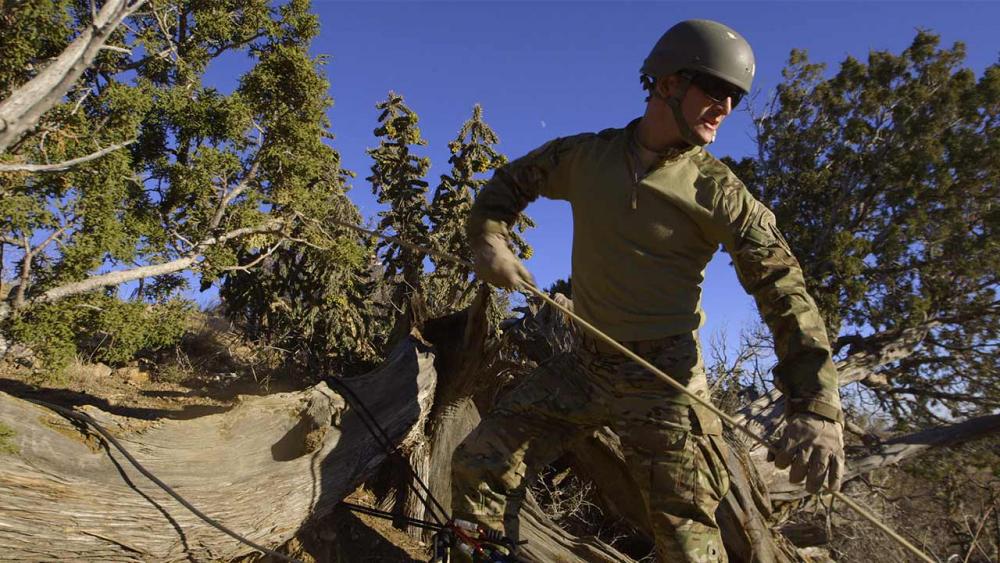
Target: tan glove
814	447
496	264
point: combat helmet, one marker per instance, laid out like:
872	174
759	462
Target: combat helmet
703	46
700	46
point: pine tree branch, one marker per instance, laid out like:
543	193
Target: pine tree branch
239	189
27	261
62	166
21	112
22	283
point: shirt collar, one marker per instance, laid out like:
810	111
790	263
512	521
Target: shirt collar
671	154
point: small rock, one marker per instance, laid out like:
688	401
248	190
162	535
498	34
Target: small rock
133	375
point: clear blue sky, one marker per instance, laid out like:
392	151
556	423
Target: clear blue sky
546	69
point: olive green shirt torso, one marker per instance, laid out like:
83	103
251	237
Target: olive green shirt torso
639	253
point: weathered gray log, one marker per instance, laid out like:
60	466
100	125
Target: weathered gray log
262	469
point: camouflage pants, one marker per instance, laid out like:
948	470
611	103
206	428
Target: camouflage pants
673	449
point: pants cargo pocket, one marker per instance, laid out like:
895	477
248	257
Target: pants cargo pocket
682	483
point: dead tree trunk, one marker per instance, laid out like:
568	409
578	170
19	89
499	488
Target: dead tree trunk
263	469
469	364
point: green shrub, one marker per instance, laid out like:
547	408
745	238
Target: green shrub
101	328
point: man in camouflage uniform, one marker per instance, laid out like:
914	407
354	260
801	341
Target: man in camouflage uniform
650	208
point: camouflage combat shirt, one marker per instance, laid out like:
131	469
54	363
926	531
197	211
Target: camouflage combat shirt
641	243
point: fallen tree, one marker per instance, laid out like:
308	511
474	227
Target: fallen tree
287	458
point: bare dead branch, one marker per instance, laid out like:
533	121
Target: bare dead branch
975	538
117	49
272	226
253	263
79	102
63	166
166	32
136	64
122	276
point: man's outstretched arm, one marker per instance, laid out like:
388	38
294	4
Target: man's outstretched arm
544	171
813	439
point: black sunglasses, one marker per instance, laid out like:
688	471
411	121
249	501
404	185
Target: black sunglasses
716	88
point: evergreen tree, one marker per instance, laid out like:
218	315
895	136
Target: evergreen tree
319	307
397	180
472	155
885	180
141	171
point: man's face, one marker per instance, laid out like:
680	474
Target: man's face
706	105
703	114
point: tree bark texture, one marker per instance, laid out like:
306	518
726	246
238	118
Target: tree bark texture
469	382
263	469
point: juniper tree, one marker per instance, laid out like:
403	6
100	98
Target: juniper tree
397	179
322	308
141	170
884	178
472	155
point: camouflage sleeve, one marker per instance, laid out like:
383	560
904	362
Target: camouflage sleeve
542	172
771	274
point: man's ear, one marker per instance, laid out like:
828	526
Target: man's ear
666	86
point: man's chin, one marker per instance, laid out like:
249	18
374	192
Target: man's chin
705	134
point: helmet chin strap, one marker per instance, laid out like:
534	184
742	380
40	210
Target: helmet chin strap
674	103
